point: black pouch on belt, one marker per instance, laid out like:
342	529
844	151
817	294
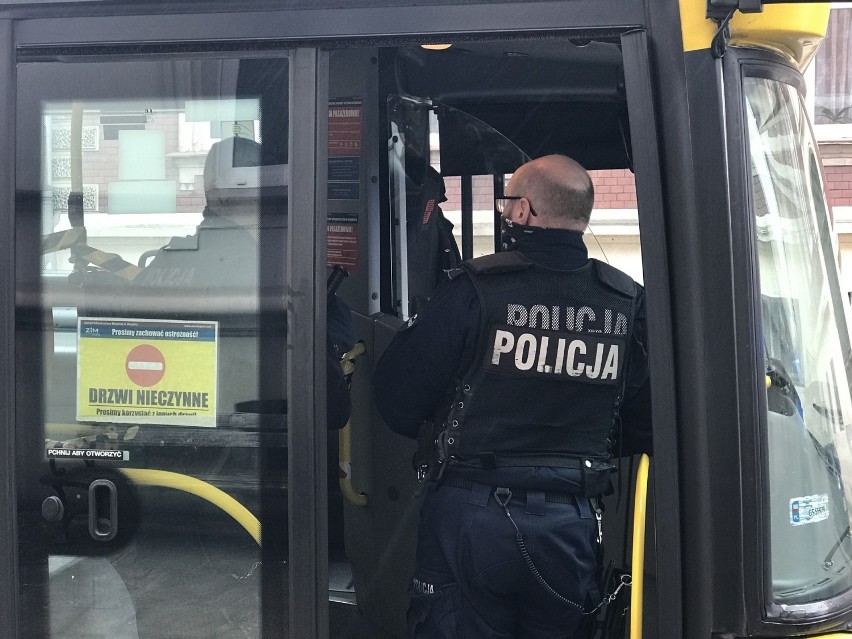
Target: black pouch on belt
596	477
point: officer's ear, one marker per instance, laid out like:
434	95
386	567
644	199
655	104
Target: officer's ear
524	212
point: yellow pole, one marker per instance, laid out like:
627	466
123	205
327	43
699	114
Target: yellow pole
638	559
344	462
193	486
344	438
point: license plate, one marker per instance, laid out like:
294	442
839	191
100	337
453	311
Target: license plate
808	510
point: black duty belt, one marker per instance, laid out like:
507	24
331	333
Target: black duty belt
517	494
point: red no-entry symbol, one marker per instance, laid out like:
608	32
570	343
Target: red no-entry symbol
145	365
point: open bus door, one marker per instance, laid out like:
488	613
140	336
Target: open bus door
433	147
422	250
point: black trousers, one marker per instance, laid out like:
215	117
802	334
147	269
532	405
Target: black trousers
472	582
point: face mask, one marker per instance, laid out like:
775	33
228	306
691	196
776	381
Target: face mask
511	232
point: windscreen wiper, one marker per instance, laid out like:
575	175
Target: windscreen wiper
828	561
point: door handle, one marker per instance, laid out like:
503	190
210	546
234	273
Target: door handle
103	510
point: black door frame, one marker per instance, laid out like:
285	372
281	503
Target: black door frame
8	520
655	255
307	441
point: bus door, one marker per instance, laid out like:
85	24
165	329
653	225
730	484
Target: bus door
422	245
171	350
470	114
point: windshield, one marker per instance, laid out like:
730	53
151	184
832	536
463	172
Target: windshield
806	354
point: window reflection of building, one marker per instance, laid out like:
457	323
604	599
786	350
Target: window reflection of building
833	72
830	101
142	165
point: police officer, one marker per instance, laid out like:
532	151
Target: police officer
221	264
432	248
534	362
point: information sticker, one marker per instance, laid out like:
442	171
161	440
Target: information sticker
144	371
808	510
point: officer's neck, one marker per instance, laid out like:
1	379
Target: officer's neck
555	248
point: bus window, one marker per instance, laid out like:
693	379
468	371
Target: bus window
808	403
156	320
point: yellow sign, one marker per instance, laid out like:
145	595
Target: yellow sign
147	371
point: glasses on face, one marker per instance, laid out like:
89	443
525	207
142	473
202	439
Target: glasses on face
500	203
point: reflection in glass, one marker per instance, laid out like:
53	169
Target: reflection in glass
427	245
156	448
806	351
833	91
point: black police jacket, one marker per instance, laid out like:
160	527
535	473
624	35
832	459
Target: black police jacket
548	378
437	348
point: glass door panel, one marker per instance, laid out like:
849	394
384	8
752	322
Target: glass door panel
806	352
152	327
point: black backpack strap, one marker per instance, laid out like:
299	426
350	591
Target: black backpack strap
611	277
505	262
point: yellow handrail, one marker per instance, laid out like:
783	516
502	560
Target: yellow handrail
344	464
344	438
638	558
193	486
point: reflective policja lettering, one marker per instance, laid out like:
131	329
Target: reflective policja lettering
557	354
422	587
570	318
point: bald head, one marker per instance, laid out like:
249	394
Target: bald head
559	190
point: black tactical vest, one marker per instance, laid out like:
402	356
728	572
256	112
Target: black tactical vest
547	381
